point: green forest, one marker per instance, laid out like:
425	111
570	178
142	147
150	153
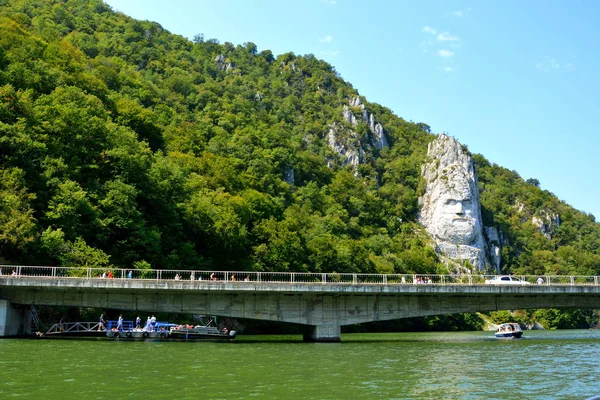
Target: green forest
124	145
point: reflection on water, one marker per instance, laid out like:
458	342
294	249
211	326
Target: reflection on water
470	365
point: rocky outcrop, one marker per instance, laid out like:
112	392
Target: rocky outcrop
494	243
347	143
546	223
289	175
222	63
449	208
348	148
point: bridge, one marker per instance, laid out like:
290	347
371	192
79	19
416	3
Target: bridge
321	302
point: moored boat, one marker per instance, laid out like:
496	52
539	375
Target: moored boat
207	329
509	330
157	330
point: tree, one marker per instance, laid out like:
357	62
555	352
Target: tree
17	222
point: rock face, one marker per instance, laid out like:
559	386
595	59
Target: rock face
494	242
449	209
222	64
347	143
546	223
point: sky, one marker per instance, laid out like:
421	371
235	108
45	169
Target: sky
515	81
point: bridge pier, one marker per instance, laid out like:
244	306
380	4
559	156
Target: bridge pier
15	320
323	333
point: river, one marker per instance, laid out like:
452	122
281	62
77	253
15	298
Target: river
465	365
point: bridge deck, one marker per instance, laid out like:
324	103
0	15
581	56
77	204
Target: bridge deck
321	301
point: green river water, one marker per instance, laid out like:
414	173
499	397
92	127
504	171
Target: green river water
457	365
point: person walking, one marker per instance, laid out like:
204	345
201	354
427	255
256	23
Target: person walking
101	323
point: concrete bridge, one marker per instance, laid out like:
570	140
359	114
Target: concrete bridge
321	302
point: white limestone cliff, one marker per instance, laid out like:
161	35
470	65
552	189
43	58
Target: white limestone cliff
546	223
449	208
347	143
222	63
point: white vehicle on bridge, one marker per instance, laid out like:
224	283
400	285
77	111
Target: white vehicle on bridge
506	280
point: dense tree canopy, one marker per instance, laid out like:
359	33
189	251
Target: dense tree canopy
122	144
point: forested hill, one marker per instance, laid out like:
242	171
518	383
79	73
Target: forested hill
122	144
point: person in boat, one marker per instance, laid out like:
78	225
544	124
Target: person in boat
110	274
148	326
153	323
177	277
247	278
212	276
138	322
120	323
101	323
233	278
192	276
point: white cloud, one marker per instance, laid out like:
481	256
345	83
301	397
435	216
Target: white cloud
326	39
445	53
448	69
446	37
550	63
428	29
333	53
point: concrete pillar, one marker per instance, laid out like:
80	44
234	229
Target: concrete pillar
323	333
15	320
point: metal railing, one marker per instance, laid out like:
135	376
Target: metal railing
74	327
244	277
36	323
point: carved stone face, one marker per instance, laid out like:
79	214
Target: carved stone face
450	209
453	216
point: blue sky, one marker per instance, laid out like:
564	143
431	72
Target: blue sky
515	81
